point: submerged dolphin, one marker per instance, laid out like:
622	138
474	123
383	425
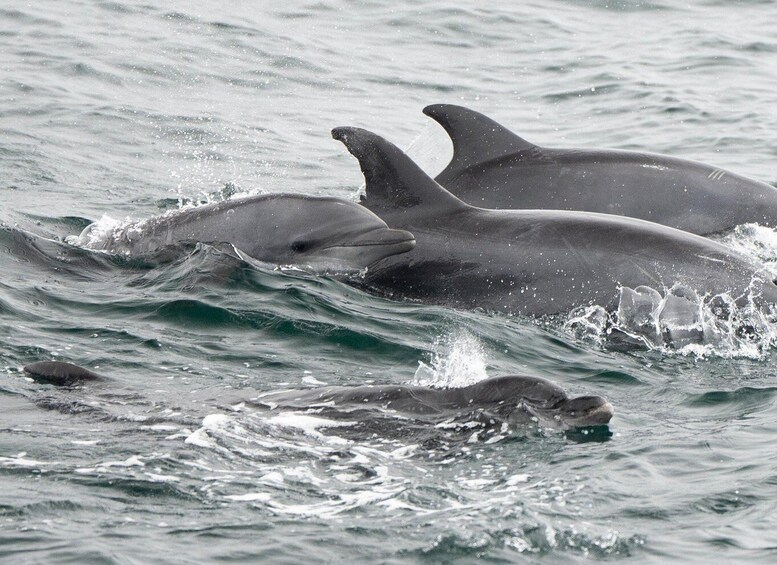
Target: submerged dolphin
533	262
516	400
282	229
60	373
494	168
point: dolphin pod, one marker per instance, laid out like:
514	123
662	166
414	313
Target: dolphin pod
494	168
513	399
533	262
320	233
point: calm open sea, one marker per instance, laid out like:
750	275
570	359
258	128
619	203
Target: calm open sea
116	110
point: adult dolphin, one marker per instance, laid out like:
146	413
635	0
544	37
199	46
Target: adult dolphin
494	168
283	229
533	262
514	399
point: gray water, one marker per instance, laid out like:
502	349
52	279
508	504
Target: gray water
112	111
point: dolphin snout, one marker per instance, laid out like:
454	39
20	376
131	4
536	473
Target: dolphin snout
384	236
359	250
588	411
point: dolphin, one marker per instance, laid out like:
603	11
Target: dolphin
319	233
532	262
514	399
494	168
60	373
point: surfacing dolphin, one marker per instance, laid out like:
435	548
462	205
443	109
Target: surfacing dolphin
60	373
494	168
282	229
533	262
516	400
512	399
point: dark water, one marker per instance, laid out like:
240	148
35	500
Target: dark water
121	109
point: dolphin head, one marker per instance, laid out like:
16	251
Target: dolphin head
583	411
323	234
548	403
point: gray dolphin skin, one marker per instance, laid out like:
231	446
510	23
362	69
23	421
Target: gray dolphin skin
282	229
533	262
60	373
494	168
517	400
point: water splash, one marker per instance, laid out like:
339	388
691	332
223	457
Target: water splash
458	360
755	241
95	235
678	321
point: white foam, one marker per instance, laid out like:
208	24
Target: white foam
515	479
161	428
157	478
272	478
20	460
210	423
312	380
310	425
250	497
133	461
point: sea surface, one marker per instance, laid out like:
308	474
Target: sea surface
113	111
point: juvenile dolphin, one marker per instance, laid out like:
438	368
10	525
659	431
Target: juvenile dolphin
533	262
282	229
494	168
513	399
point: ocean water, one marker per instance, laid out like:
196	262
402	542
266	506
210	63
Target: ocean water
114	111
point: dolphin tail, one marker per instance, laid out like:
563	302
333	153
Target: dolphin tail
395	185
476	138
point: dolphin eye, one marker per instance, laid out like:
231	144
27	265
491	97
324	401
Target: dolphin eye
301	245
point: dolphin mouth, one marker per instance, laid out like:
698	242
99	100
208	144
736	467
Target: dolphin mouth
381	237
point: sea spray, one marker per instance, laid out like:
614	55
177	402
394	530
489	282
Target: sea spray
458	359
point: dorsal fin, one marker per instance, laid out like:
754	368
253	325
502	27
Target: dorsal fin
395	185
476	138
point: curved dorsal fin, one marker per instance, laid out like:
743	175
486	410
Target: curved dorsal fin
395	185
476	138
